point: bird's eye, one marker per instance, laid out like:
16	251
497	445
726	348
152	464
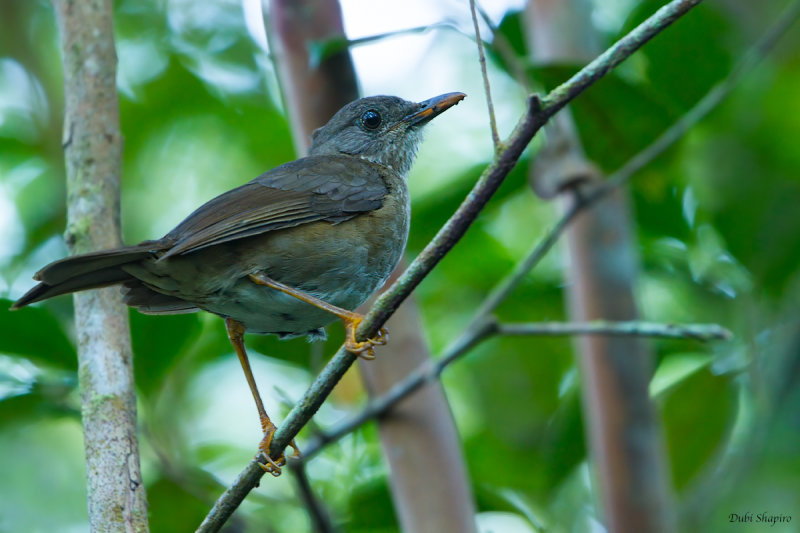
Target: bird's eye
371	119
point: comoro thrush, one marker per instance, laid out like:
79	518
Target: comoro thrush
287	252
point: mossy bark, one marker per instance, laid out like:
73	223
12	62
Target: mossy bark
93	148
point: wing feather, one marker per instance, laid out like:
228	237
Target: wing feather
331	188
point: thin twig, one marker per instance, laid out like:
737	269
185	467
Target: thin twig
537	114
501	291
710	101
502	46
635	328
487	89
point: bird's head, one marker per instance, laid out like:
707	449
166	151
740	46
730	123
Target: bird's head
383	129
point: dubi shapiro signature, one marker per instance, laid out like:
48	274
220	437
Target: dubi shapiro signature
760	518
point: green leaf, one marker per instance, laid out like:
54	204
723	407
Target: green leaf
690	56
319	51
698	416
509	38
159	341
176	507
677	367
35	333
616	117
40	393
371	508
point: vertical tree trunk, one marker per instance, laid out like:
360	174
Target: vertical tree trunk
93	146
430	487
313	93
624	433
625	440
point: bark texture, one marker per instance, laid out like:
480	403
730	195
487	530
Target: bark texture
93	146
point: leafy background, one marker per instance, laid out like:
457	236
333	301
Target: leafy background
716	222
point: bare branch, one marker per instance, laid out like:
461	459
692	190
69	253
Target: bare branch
487	89
480	327
501	291
505	50
634	328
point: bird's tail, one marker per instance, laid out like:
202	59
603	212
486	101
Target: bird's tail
86	271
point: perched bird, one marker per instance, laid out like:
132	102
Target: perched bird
287	252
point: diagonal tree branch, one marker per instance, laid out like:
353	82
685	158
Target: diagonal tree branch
538	112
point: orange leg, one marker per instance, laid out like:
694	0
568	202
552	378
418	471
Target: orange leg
363	349
236	335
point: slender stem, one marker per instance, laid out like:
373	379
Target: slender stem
501	45
635	328
537	114
487	89
501	291
381	404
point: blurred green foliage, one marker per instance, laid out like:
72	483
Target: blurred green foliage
717	231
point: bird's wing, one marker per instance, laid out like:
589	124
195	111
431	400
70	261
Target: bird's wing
330	188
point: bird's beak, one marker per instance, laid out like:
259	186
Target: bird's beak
432	107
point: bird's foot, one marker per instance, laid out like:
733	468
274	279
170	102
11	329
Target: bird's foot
270	465
364	349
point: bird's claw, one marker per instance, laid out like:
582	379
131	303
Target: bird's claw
364	349
381	338
269	465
